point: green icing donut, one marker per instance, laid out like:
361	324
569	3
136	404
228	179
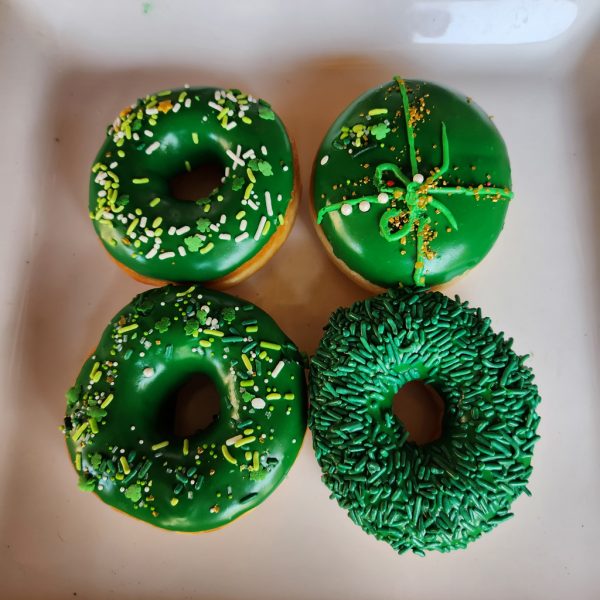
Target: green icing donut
445	494
123	446
411	185
151	233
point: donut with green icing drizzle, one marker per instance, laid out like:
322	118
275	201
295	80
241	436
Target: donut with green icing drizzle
410	185
125	451
441	495
221	238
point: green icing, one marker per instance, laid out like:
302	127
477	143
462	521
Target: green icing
411	184
445	494
146	229
120	438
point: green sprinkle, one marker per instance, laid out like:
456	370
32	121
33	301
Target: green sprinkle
248	191
251	175
156	222
140	180
93	425
127	328
159	446
186	446
154	202
132	226
78	461
247	383
207	248
247	363
205	343
252	329
240	215
188	167
194	137
289	396
174	501
186	292
273	396
378	111
255	461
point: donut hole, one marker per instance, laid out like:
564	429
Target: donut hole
420	409
197	405
198	182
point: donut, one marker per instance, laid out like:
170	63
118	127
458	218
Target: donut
444	494
220	239
121	440
410	186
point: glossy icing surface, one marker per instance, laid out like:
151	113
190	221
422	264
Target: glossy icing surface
411	184
121	439
445	494
145	228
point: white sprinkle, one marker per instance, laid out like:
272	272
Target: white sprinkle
143	221
279	197
166	255
237	160
346	209
188	103
143	238
176	107
382	198
224	236
216	106
226	173
135	136
152	147
249	154
242	236
107	215
261	226
268	203
230	125
232	440
231	97
113	165
152	111
148	133
149	233
277	369
101	193
418	178
364	206
285	168
214	227
182	230
172	230
181	251
252	205
148	372
223	219
243	225
324	160
263	149
258	403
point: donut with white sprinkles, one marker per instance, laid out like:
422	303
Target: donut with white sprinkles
221	238
445	494
126	452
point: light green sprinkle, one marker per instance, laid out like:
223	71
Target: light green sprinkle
262	354
244	441
255	461
248	191
93	425
194	137
247	383
78	461
273	396
270	346
79	431
157	222
247	363
205	343
125	465
107	401
240	214
186	446
159	445
127	328
174	501
94	369
214	332
289	396
207	248
377	111
132	226
227	455
154	202
250	175
186	292
188	167
252	329
140	180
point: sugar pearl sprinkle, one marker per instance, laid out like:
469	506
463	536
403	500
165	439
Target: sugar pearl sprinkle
266	371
